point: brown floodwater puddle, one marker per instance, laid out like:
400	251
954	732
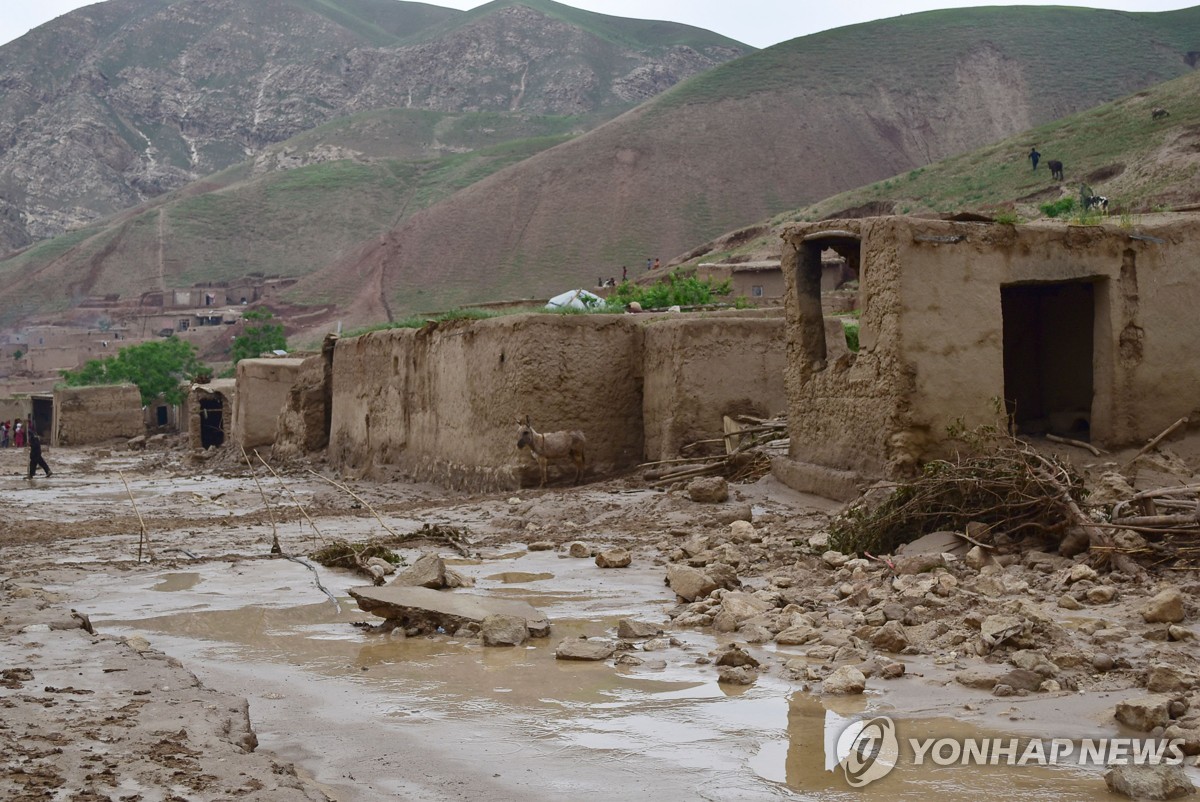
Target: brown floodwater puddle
515	723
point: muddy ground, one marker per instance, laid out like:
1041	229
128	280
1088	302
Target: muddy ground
218	671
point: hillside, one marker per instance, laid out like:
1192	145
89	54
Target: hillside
754	137
1140	164
120	102
780	128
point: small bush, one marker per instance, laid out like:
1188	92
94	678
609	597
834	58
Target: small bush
851	327
1008	217
671	291
1058	208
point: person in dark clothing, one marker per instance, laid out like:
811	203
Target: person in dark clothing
1034	156
35	455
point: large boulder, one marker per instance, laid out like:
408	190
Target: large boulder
708	490
629	629
1157	781
1165	608
614	558
584	649
503	630
1144	713
430	571
845	680
689	583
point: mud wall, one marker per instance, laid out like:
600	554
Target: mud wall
699	368
442	403
84	415
262	390
933	340
303	426
15	408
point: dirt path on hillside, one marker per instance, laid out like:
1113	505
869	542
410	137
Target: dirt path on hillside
154	704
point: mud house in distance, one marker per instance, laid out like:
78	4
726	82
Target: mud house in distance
1082	331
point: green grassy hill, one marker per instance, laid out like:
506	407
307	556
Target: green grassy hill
1116	149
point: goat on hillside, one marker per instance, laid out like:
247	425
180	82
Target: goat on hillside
1158	114
553	445
1056	170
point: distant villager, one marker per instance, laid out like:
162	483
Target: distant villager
656	263
1158	114
35	455
18	435
1034	156
1056	169
624	273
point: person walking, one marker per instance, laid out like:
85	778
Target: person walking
18	435
35	456
1034	156
4	434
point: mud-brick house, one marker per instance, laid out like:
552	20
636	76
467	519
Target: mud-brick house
84	415
1083	331
208	409
262	388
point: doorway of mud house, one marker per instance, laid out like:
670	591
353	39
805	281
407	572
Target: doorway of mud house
212	428
1049	344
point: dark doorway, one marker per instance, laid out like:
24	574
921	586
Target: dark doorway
162	415
212	428
1048	357
43	416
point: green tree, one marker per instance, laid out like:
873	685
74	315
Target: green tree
157	368
259	336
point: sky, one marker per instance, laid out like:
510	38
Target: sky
759	23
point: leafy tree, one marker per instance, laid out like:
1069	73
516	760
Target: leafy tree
157	368
259	336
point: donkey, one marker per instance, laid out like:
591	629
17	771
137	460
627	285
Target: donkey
554	445
1056	169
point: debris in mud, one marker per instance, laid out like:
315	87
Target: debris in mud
428	610
430	571
1007	486
357	557
584	649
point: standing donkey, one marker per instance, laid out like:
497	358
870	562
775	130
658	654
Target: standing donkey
554	445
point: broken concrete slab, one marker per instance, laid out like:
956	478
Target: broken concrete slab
429	609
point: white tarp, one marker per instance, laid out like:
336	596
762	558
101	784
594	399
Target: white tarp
575	299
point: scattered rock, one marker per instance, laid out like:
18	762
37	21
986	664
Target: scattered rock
1164	608
740	675
503	630
917	563
579	550
742	532
736	656
983	679
1081	573
708	489
584	649
430	571
629	629
1163	678
1101	594
1068	602
893	670
689	583
734	513
1144	713
996	629
891	637
385	567
1103	662
845	680
1021	679
136	443
1178	633
541	545
614	558
835	559
1157	781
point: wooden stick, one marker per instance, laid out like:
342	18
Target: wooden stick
359	499
292	495
145	536
1157	520
1150	446
275	547
1077	443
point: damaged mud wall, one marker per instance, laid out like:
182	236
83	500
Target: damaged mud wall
700	368
303	426
442	403
209	412
84	415
935	346
262	391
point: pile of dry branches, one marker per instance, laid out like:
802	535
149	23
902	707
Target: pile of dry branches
1168	519
1002	483
749	443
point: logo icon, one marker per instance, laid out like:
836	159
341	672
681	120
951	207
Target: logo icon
867	750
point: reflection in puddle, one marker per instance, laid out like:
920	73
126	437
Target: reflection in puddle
176	582
511	577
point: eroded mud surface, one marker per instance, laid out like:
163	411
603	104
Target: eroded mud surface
151	706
